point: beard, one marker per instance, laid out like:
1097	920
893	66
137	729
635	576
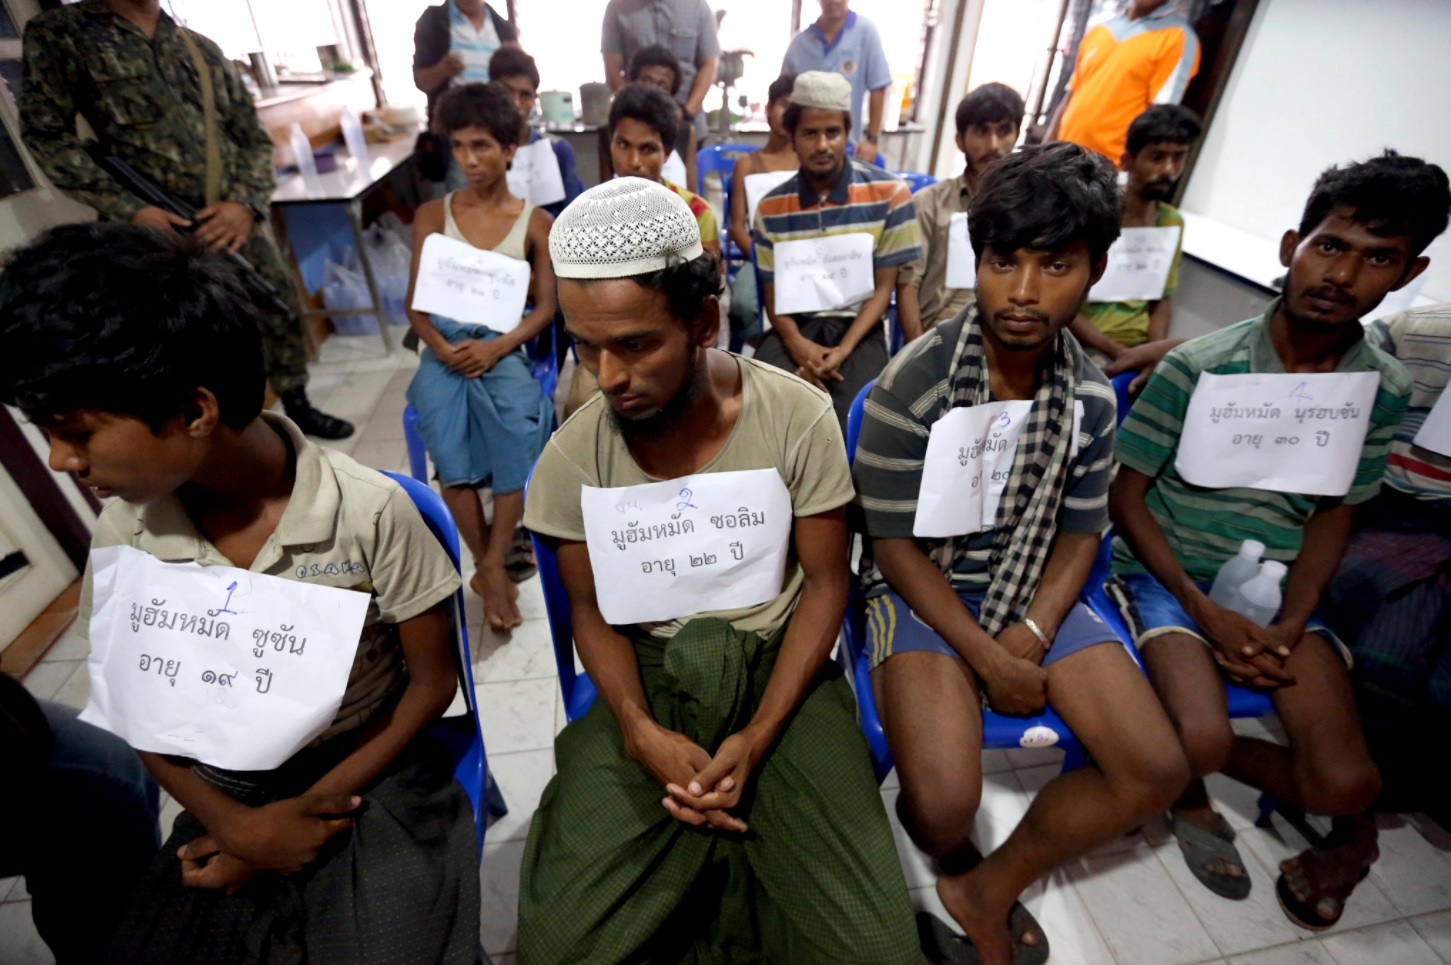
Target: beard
1158	190
664	418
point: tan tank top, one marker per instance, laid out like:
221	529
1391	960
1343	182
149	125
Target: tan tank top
513	244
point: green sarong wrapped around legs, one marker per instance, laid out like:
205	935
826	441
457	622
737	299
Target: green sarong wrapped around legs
609	876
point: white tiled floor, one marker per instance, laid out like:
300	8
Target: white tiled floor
1133	902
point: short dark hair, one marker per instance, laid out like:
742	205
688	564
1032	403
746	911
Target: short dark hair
513	62
990	104
1046	197
648	105
686	284
780	87
490	106
1163	123
655	56
792	118
129	320
1391	195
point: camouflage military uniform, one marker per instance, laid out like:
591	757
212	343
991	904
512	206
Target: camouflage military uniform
143	99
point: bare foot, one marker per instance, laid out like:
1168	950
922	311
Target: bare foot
1323	877
492	584
986	928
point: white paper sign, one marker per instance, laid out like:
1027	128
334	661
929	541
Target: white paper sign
760	185
1435	432
1284	432
820	274
673	170
669	550
534	174
470	285
1138	265
236	669
969	463
961	262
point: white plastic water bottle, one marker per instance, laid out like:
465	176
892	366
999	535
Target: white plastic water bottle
1237	571
1259	598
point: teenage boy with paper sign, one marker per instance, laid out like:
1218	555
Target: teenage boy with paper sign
268	619
754	176
716	802
544	171
828	245
1361	236
963	606
938	285
482	415
1391	597
1125	323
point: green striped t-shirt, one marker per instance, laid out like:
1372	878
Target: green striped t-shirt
1206	526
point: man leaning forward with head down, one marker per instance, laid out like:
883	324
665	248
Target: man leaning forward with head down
716	803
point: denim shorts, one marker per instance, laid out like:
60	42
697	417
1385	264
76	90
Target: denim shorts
1149	610
893	628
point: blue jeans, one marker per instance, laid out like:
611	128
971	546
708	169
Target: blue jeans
92	834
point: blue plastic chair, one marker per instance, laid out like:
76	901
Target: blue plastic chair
916	181
720	160
543	365
461	735
999	731
578	690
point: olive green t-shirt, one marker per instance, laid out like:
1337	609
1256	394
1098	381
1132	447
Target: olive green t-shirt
784	424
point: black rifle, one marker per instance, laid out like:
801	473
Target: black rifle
139	185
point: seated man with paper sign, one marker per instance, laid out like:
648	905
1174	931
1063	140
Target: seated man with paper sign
716	803
1125	323
753	177
937	286
479	256
1270	433
983	470
828	245
543	171
267	619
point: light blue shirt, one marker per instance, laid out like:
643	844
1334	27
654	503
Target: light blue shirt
856	54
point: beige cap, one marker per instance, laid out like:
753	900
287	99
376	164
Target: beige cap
823	89
624	227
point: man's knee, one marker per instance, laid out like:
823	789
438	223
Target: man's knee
939	818
1340	788
1207	743
1152	779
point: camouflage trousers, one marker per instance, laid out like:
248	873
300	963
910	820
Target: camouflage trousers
284	354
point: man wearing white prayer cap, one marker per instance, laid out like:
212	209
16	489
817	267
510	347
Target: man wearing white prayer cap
716	802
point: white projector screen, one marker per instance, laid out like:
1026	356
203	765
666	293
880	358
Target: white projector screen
1321	82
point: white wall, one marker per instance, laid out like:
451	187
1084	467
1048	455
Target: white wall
1321	82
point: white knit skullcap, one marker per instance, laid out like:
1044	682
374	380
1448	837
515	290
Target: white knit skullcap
624	227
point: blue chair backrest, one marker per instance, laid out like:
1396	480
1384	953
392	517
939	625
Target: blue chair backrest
578	690
462	736
916	181
720	160
1121	383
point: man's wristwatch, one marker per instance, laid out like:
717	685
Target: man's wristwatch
871	137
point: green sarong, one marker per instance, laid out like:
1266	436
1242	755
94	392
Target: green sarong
609	876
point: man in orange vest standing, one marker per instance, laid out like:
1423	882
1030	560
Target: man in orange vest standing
1145	56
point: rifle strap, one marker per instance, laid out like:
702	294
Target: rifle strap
209	120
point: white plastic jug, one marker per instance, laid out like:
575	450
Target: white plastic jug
1259	599
1237	571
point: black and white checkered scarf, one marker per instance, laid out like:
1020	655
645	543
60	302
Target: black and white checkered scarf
1027	519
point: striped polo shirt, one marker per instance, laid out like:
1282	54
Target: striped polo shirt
1205	527
704	213
1421	340
864	199
909	397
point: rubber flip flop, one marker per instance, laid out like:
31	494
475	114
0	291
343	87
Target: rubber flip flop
1306	914
942	944
1201	847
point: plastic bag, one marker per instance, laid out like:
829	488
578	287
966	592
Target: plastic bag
391	260
345	288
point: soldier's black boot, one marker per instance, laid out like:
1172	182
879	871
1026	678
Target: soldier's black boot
310	420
